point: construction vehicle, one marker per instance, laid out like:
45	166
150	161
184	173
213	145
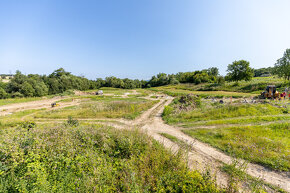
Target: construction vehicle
270	92
54	104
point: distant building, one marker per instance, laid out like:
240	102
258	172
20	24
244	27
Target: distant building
6	76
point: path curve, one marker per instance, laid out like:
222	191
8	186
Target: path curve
208	153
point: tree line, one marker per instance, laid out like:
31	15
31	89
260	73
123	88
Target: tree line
34	85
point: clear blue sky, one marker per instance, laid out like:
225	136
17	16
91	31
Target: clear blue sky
140	38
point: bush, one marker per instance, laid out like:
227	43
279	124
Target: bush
72	122
3	94
93	159
16	95
167	110
28	125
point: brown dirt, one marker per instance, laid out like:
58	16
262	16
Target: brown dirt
12	108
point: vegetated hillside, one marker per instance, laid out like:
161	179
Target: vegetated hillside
256	85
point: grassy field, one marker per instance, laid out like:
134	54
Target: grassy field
178	90
229	89
18	100
91	158
223	113
102	107
266	145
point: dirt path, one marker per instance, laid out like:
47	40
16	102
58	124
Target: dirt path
13	108
205	156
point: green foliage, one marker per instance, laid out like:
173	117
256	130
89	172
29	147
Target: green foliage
72	122
282	67
34	85
226	89
120	83
240	70
100	107
28	125
27	89
174	139
16	95
223	112
92	159
213	71
236	172
263	72
3	94
167	110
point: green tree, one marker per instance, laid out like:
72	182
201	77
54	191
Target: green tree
27	90
213	71
240	70
3	94
40	89
282	67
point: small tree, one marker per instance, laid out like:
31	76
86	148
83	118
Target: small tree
3	94
27	90
213	71
282	67
240	70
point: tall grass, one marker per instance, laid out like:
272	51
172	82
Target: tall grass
223	112
92	159
18	100
267	145
255	86
107	108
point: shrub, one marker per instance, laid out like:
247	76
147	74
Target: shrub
72	122
93	159
16	95
28	125
167	110
3	94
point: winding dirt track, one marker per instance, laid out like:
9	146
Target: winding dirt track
202	156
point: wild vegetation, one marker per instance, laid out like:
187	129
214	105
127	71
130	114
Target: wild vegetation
91	158
102	107
266	145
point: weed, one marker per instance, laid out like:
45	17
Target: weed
28	125
72	122
167	110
